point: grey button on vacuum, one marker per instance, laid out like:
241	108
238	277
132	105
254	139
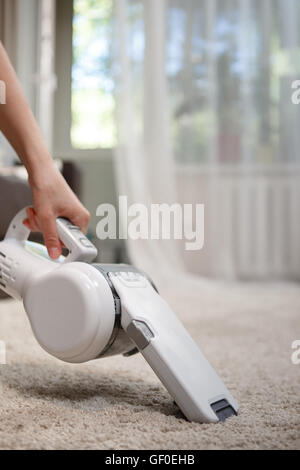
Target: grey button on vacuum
85	242
140	333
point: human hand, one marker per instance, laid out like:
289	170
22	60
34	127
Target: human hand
52	198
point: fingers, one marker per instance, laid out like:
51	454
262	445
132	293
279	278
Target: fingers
81	219
46	223
31	222
26	222
52	242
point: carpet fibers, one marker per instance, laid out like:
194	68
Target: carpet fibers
246	332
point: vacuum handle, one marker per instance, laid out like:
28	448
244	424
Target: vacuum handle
17	230
79	246
171	352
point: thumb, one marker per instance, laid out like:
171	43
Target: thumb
48	227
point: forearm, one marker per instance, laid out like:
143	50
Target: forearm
19	125
51	195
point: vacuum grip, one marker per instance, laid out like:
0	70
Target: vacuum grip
171	352
79	246
17	230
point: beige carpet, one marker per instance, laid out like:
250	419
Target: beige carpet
246	331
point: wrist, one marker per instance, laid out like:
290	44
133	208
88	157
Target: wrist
40	172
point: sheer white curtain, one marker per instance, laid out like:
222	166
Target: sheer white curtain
205	116
145	166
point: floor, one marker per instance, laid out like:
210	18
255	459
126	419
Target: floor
246	331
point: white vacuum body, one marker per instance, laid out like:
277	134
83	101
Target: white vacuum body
80	311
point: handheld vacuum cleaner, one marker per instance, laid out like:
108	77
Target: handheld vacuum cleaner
80	311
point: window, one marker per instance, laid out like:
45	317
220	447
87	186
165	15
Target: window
230	66
84	101
92	102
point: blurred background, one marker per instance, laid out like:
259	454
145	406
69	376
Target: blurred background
183	101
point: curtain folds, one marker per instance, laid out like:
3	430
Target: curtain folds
204	115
